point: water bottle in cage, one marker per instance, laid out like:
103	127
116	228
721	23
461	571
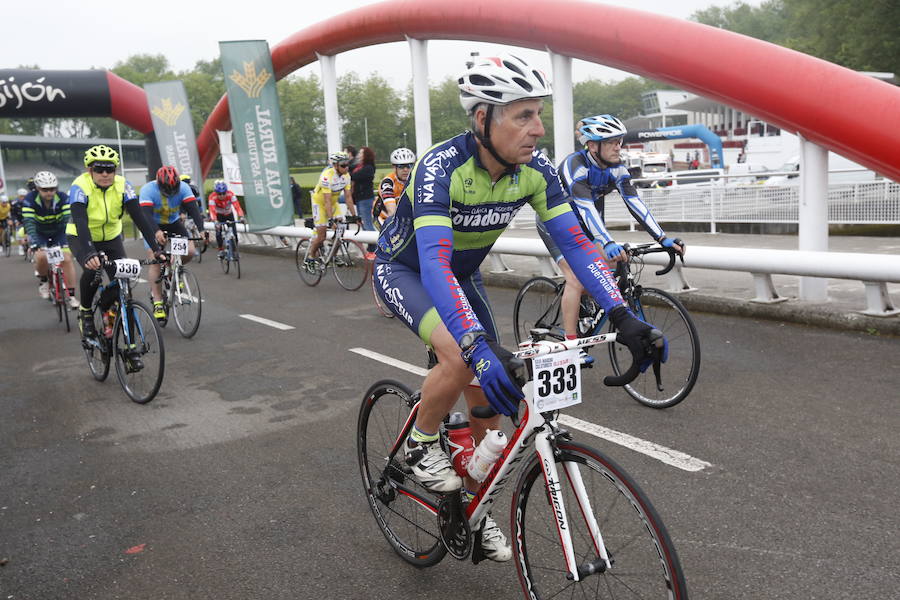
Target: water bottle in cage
486	454
459	438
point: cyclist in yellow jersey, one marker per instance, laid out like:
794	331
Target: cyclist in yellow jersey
332	181
5	221
98	198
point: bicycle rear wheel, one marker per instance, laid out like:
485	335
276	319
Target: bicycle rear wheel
140	365
538	305
307	269
186	302
97	350
681	370
405	512
644	561
350	265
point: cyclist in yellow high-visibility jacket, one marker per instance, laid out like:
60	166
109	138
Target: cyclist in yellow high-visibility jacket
98	198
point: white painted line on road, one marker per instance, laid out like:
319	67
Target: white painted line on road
268	322
391	361
673	458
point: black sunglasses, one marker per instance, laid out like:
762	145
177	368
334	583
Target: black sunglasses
409	166
344	165
103	169
53	189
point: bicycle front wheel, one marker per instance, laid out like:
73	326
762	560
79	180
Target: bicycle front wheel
140	355
681	370
236	259
405	511
186	302
350	265
538	305
643	558
307	268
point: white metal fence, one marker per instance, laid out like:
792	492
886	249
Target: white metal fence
869	202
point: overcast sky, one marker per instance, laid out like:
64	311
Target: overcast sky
61	34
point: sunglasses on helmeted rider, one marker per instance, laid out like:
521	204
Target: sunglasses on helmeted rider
343	165
409	166
103	169
53	189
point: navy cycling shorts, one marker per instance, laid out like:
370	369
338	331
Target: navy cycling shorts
400	287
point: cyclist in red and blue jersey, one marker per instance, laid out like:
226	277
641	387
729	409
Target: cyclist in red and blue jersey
589	175
461	196
162	201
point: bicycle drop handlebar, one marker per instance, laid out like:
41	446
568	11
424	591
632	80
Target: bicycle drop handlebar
642	249
544	346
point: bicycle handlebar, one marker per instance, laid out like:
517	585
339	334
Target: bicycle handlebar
544	346
641	249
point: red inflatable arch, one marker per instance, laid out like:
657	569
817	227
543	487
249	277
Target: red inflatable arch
837	108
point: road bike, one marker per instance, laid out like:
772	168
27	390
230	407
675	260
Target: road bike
347	258
581	526
180	288
136	345
59	294
230	255
538	305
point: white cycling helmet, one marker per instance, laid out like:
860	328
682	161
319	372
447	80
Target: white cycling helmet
45	179
403	156
501	80
21	192
336	157
600	127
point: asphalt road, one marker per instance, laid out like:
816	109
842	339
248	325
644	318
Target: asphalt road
240	480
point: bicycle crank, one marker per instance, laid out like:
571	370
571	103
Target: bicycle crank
455	532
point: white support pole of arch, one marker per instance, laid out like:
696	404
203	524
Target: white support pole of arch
418	51
813	226
329	88
563	117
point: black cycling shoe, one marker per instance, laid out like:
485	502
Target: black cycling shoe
86	323
133	362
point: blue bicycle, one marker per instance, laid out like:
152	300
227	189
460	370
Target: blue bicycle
126	333
538	305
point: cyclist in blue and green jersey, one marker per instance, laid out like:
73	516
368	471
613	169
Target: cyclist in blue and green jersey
461	195
162	201
98	199
45	214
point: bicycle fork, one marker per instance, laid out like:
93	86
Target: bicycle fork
576	572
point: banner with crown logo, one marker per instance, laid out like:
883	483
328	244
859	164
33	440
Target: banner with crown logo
174	128
258	133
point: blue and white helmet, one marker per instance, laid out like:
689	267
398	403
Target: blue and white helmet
600	127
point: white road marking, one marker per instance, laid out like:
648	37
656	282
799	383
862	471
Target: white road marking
673	458
391	361
268	322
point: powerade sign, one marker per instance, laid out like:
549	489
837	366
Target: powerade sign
40	93
651	135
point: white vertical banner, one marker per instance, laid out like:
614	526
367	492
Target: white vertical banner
230	165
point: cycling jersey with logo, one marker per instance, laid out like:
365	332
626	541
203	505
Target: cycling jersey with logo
389	191
224	204
330	181
165	208
450	190
588	183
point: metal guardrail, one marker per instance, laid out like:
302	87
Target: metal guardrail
874	271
